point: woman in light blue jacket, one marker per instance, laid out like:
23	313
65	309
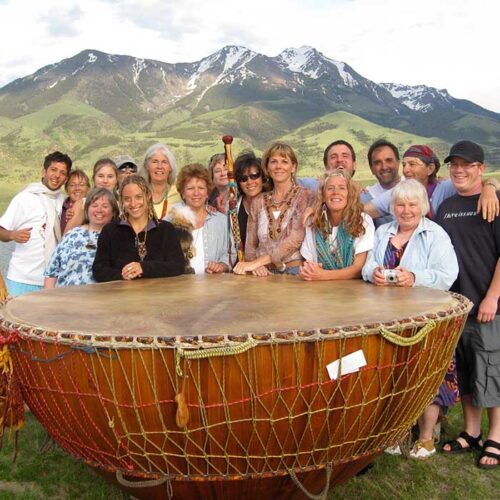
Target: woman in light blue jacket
414	251
411	250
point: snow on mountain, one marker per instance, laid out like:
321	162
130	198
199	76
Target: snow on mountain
304	60
224	65
419	97
347	78
309	62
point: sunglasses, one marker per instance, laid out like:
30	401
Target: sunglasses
253	176
128	168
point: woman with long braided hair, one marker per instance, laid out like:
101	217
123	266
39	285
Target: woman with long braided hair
139	245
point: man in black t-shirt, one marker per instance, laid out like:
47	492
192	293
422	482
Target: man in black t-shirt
477	245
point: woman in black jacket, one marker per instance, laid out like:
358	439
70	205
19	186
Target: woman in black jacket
137	246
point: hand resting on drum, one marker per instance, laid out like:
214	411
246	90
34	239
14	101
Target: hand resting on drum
132	270
216	267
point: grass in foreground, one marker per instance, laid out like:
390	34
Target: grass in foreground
57	475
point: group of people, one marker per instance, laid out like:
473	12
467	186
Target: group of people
155	221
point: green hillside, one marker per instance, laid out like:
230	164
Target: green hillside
311	139
88	134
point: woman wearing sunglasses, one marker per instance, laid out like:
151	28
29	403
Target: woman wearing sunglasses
251	182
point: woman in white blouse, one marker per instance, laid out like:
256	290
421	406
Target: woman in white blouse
340	235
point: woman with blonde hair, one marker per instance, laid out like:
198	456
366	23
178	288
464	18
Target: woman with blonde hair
340	235
275	230
137	246
160	170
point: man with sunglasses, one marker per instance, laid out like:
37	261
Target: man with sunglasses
126	166
477	245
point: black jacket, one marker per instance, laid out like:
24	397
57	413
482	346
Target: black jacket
116	248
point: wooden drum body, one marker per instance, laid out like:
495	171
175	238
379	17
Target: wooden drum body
106	368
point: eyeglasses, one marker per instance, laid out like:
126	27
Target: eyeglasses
465	166
77	185
127	169
254	177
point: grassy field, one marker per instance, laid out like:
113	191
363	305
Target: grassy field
56	475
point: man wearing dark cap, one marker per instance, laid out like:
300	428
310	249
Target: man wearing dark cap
126	166
477	245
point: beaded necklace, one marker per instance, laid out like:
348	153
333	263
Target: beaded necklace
275	229
141	245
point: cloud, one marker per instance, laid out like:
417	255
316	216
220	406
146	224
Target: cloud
62	23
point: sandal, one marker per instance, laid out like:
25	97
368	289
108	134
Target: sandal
456	447
489	444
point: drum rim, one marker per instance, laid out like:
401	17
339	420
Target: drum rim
12	329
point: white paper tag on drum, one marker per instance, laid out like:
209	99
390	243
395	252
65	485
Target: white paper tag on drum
350	364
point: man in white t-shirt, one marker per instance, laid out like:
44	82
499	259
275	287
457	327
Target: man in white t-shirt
383	158
32	220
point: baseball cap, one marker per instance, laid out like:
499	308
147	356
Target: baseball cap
123	161
467	150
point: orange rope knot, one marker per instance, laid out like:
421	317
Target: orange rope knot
11	399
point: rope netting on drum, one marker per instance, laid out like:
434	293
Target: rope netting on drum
268	408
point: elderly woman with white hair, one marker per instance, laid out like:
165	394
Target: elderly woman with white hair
160	169
414	251
411	250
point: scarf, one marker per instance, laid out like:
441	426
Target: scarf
333	256
49	200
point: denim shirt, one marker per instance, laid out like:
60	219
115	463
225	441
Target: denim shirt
216	240
429	255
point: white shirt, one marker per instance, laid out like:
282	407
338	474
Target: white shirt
27	264
375	190
362	243
198	261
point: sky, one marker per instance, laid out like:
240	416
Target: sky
450	44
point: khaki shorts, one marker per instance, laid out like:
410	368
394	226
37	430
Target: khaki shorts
478	362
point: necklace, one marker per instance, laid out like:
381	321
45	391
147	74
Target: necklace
192	249
92	239
275	203
141	245
274	225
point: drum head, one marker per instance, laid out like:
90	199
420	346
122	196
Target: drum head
215	305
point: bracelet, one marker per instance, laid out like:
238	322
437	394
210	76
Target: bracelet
282	269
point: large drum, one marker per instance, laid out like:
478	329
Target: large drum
230	386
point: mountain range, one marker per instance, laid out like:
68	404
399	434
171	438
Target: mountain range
96	104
